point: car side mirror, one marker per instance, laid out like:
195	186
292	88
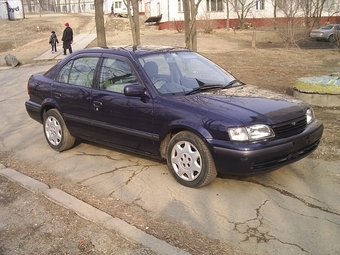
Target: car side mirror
134	90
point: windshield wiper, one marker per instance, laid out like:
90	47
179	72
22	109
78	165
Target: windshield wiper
232	83
204	87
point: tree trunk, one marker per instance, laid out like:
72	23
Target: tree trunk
190	13
228	16
193	30
134	20
186	9
79	6
99	17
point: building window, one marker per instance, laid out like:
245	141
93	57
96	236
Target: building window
215	5
180	6
329	4
91	6
260	5
118	5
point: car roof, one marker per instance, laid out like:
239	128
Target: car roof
132	50
127	51
329	25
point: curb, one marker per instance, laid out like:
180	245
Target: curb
323	100
91	213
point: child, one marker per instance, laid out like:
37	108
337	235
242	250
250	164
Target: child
53	41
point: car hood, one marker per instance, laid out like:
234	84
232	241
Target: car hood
248	104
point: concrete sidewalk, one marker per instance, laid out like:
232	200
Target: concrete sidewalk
79	42
85	211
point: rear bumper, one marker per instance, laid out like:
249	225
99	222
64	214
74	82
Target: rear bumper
318	36
245	159
33	110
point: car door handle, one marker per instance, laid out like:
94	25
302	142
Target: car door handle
97	105
57	95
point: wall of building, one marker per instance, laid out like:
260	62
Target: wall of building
11	10
234	23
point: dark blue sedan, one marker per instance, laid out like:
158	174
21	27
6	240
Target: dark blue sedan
171	104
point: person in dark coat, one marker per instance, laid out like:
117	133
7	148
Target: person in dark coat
53	41
67	38
112	11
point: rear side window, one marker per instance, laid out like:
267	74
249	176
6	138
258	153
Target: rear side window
64	73
79	72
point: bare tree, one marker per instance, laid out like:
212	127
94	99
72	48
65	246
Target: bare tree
29	5
242	8
312	9
190	9
134	20
290	9
275	11
79	6
99	18
228	14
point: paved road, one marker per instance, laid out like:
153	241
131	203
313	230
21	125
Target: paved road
294	210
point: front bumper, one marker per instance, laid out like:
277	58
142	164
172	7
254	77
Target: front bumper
245	159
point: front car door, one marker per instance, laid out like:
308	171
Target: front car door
118	119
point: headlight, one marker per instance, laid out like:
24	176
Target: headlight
250	133
309	115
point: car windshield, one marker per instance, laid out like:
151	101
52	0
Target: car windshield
185	73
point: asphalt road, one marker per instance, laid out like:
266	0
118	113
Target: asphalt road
294	210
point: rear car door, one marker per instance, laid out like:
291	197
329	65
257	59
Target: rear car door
72	90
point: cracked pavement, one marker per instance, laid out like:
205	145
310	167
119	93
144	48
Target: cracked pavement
294	210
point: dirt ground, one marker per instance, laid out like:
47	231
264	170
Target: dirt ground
269	65
53	229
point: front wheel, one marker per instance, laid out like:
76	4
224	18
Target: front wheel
56	132
190	161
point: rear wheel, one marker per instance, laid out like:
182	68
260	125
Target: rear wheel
189	160
56	132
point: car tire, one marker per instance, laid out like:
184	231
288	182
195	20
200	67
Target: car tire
189	160
331	38
56	132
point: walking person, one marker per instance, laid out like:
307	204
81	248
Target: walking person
53	41
67	38
112	11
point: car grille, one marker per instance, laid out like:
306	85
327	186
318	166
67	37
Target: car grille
290	128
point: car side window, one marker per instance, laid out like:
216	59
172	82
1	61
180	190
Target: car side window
82	71
64	73
115	74
78	72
